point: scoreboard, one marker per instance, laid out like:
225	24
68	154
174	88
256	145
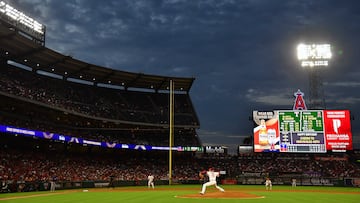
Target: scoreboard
302	131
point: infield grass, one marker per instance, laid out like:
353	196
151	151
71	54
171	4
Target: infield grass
171	194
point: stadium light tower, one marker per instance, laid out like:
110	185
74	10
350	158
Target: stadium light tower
21	23
313	57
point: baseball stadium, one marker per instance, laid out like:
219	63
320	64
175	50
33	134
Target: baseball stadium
72	131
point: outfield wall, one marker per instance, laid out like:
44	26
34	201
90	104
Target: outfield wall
42	186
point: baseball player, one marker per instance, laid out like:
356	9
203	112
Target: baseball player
212	181
293	182
268	184
151	181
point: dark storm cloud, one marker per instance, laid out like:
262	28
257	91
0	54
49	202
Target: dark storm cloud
242	53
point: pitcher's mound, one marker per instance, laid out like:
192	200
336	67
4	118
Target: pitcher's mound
223	195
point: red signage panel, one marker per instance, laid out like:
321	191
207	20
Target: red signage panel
338	130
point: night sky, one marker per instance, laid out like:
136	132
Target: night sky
241	53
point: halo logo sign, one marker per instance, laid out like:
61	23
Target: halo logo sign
299	103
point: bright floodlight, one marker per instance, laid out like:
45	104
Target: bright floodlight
21	18
314	54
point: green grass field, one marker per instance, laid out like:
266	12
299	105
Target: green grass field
174	194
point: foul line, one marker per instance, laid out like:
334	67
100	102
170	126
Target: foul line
31	196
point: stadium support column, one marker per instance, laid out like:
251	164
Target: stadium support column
171	128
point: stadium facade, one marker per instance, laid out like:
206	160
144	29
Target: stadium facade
81	125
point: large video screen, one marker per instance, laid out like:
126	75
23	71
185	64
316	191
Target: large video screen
307	131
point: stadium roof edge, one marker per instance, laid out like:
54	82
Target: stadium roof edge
18	48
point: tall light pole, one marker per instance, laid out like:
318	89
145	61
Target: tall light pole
313	57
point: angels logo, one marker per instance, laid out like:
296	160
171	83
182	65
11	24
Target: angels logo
140	147
48	135
74	139
110	145
299	101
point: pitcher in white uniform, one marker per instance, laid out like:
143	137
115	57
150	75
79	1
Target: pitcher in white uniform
212	181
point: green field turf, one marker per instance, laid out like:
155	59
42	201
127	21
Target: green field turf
307	194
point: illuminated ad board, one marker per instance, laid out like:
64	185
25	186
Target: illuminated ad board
215	150
266	133
85	142
312	55
338	130
310	131
190	149
245	149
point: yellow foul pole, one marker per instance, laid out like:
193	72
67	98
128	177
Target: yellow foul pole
171	130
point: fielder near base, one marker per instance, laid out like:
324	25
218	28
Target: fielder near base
268	184
151	181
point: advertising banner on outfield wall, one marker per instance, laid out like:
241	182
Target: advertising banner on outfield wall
215	150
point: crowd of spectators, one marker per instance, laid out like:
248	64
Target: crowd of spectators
55	122
50	112
28	160
303	164
100	102
32	160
